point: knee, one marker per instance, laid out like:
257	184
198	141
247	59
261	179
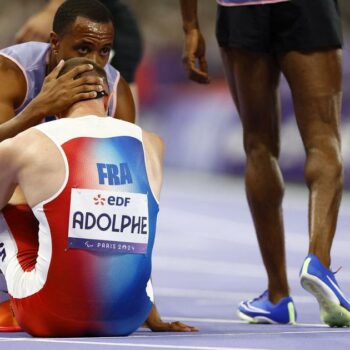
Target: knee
324	163
259	150
263	177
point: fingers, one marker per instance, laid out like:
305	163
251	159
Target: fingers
55	71
89	80
194	57
84	92
77	70
181	327
83	96
200	75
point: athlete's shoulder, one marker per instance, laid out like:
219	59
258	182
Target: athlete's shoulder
17	58
31	46
153	137
16	148
153	143
12	82
28	51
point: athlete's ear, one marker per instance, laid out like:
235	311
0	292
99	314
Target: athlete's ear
54	43
105	102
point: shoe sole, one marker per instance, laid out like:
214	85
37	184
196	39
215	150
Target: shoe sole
261	319
332	313
255	320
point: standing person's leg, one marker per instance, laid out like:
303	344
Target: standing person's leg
253	73
315	80
311	41
253	79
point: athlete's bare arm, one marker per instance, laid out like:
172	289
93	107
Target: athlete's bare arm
31	160
125	103
194	45
56	95
154	152
38	26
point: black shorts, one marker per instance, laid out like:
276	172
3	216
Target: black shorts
296	25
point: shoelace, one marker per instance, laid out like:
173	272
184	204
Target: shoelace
337	270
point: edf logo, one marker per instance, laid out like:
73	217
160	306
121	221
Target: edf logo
114	174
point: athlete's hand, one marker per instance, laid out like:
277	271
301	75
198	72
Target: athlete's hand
58	94
37	28
176	326
155	324
193	57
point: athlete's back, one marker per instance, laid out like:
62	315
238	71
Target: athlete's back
88	184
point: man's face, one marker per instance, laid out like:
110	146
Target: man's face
84	39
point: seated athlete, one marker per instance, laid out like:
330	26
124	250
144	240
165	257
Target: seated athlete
93	184
30	90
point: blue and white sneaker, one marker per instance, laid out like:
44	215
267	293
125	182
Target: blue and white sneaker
261	310
319	281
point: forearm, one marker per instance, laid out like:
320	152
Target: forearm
30	116
189	14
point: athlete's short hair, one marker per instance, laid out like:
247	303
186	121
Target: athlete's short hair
97	71
68	12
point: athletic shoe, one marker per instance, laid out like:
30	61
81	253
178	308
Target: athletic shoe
261	310
319	281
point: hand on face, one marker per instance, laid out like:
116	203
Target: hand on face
83	39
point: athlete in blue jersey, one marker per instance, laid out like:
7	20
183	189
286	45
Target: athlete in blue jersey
93	183
258	41
80	29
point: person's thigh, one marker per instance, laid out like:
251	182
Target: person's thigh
315	82
253	79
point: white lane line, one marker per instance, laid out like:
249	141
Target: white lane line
186	335
239	334
153	346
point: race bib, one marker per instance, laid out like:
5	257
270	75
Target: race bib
108	221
